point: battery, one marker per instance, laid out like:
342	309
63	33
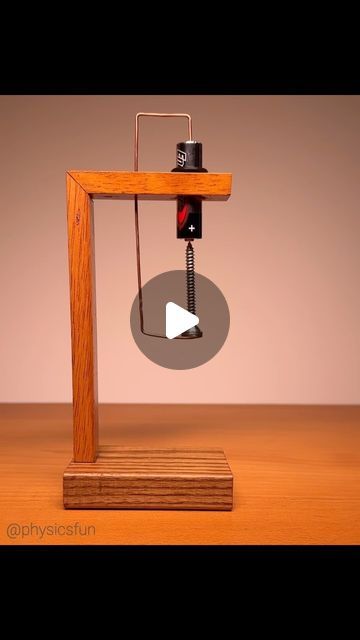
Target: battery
189	208
189	217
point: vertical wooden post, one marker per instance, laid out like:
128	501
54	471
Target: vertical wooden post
83	321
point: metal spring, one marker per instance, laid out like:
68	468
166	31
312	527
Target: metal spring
190	278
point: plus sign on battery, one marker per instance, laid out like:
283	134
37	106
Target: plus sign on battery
192	228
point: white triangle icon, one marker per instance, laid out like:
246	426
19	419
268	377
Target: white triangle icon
178	320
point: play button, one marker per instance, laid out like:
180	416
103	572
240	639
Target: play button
178	320
167	325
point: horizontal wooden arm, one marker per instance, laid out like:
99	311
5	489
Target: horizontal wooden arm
152	185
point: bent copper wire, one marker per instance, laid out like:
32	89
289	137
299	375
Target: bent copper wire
136	206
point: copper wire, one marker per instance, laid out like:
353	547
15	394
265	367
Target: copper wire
136	205
156	115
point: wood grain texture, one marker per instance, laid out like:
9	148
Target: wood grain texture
83	321
151	185
296	473
136	478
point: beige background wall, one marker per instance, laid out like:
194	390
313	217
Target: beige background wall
287	258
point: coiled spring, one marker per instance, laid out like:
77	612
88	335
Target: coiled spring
190	278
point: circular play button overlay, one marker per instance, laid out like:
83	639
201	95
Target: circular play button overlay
172	336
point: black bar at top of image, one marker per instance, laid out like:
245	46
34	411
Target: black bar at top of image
276	76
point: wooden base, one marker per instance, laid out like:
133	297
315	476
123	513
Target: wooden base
131	478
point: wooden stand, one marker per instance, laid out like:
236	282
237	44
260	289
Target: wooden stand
115	477
123	478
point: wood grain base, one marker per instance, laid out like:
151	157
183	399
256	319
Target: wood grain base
134	478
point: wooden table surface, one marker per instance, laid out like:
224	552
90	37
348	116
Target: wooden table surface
296	474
